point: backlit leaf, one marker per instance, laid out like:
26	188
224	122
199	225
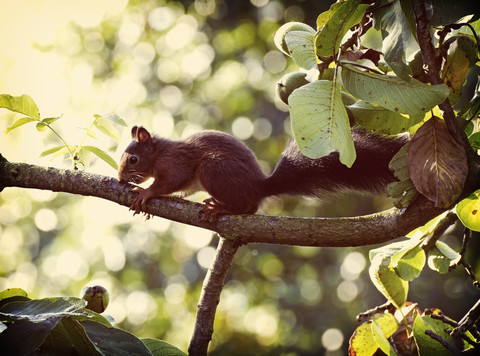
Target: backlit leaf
329	38
381	339
20	122
320	122
362	342
387	281
411	98
22	104
437	163
102	154
409	264
468	210
300	46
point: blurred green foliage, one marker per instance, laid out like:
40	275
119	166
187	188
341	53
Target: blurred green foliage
177	67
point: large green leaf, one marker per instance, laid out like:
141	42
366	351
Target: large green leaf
112	341
300	45
409	263
382	120
396	38
387	281
411	98
320	122
22	104
468	210
428	346
162	348
329	38
437	163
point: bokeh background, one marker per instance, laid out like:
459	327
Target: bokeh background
178	67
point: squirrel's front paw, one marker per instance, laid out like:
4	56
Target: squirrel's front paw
139	203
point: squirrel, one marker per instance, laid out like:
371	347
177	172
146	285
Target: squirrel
223	166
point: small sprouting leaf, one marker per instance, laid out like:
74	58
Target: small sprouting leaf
19	122
409	263
382	120
320	122
22	104
300	46
468	210
437	163
393	93
329	38
162	348
102	154
105	126
50	120
381	339
113	118
41	126
387	281
62	149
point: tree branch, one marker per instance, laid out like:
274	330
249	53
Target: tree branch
333	232
210	297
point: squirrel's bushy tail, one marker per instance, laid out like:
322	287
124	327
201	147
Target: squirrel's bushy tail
296	174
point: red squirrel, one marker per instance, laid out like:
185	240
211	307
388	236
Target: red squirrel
223	166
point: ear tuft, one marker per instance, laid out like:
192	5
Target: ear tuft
142	135
134	132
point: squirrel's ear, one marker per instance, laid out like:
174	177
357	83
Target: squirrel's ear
142	135
134	132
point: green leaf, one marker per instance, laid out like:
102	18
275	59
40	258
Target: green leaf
387	281
426	345
50	120
41	126
392	248
362	341
403	191
18	123
428	228
411	98
78	337
58	149
437	163
437	261
320	122
101	154
329	38
112	341
162	348
409	264
382	120
381	339
105	126
12	292
113	118
468	211
475	141
32	321
396	38
300	45
22	104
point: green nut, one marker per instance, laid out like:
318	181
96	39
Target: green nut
279	37
289	83
97	298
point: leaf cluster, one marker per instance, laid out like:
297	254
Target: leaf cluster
64	326
78	154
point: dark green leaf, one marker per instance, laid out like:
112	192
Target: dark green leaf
112	341
101	154
22	104
162	348
475	141
329	38
396	38
403	191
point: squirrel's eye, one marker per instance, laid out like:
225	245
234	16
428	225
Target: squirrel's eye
133	159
